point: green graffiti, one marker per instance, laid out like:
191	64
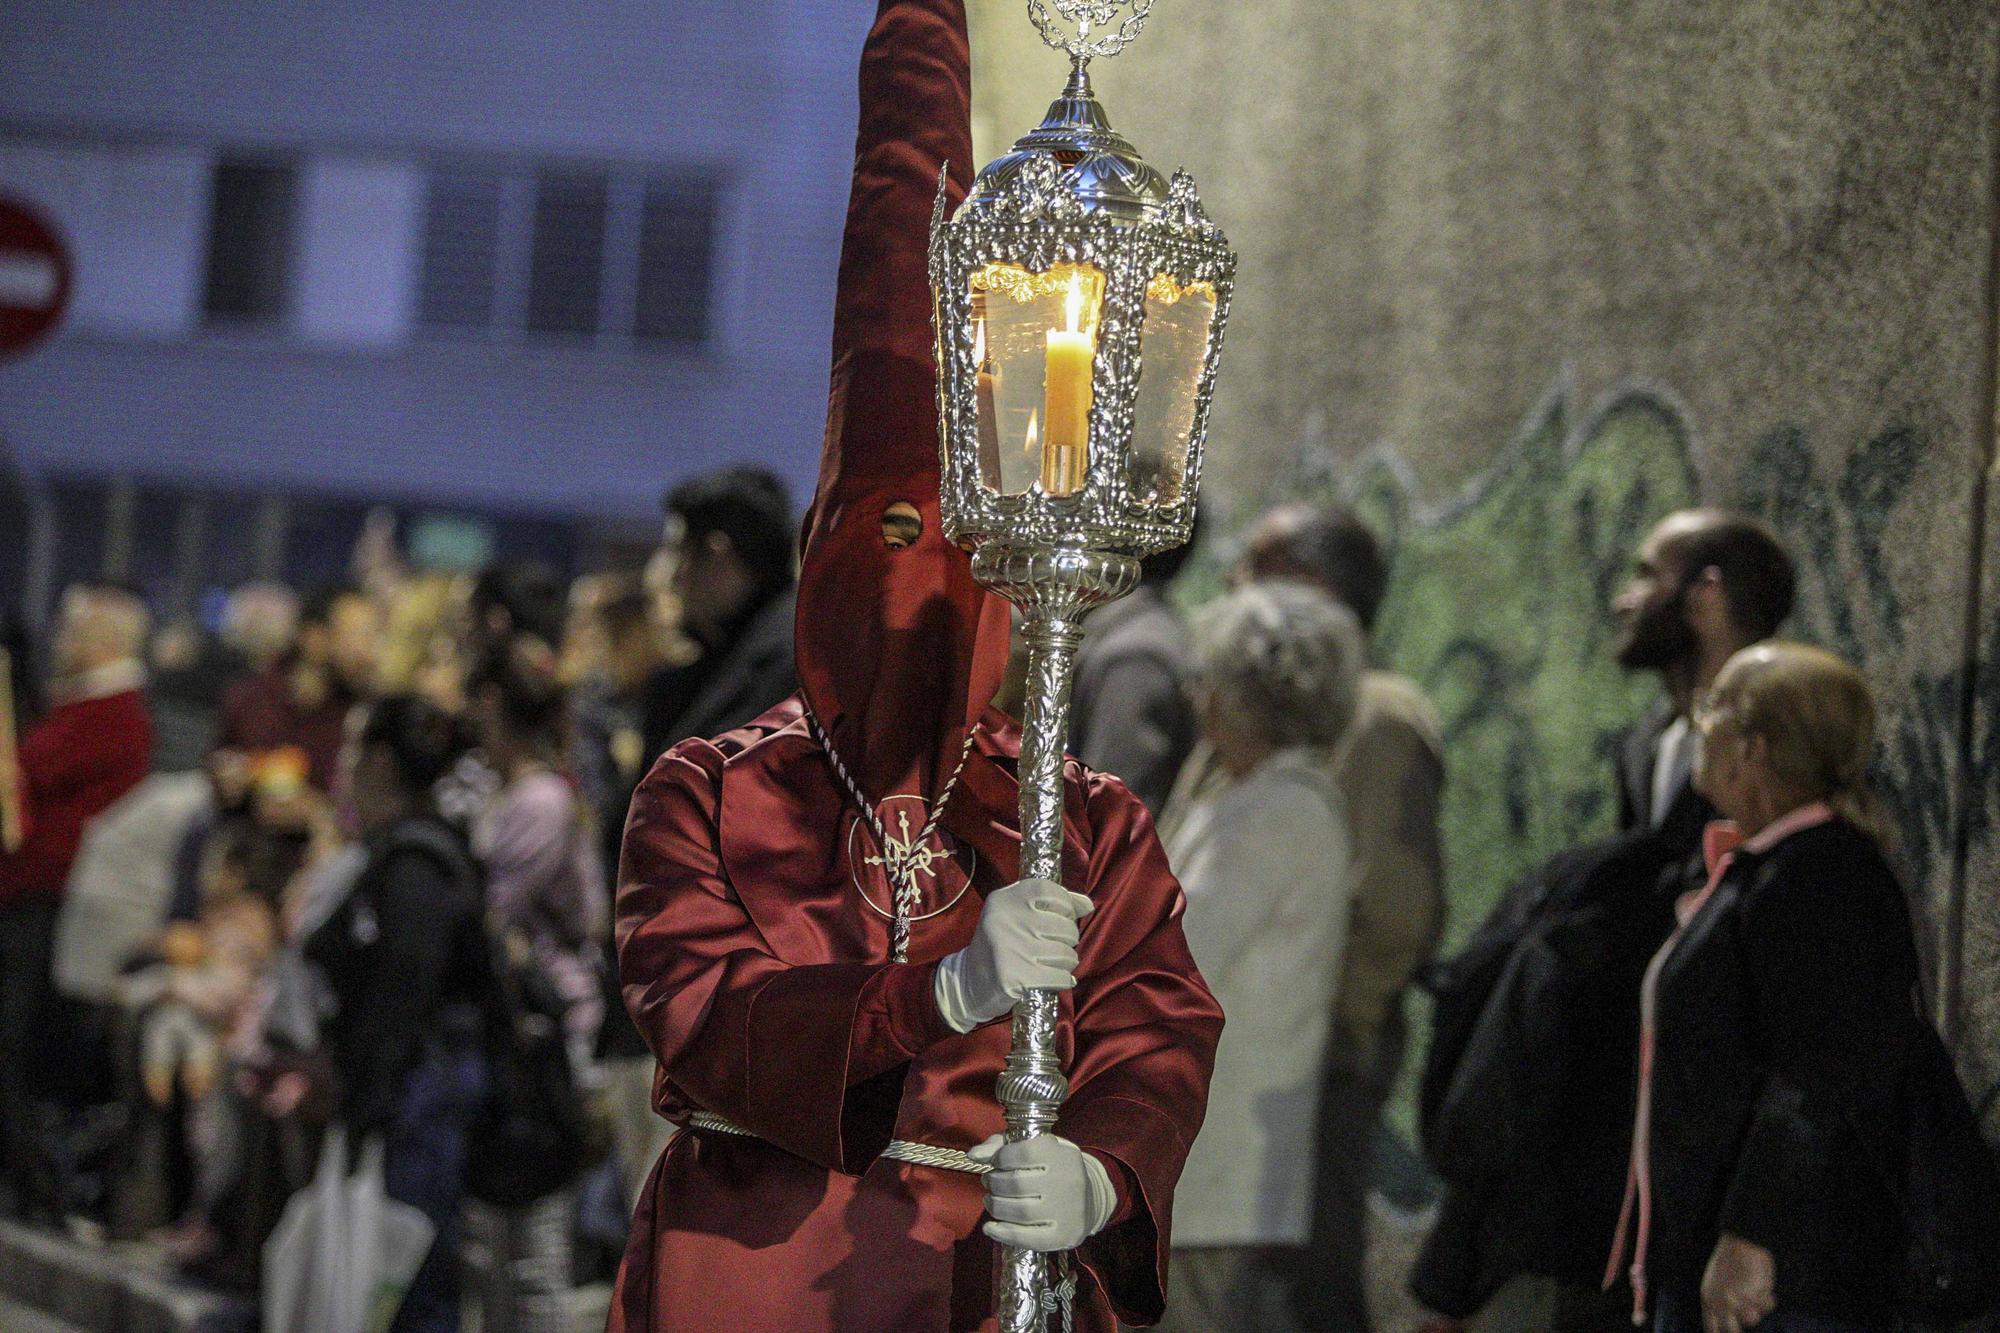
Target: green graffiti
1498	606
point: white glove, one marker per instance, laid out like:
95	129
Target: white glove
1044	1193
1026	941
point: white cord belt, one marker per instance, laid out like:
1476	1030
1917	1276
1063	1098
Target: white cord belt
899	1150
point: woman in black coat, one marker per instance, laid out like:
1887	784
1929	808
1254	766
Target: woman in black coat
405	957
1778	1025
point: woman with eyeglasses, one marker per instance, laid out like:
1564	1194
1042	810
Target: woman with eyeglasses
1776	1025
1259	841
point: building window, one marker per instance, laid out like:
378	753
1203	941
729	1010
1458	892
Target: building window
566	263
249	274
461	250
606	257
676	238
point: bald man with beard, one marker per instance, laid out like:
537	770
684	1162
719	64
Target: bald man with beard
1705	583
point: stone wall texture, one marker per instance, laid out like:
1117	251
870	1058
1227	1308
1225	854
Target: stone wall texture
1520	278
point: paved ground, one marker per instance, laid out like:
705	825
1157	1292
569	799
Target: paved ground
71	1275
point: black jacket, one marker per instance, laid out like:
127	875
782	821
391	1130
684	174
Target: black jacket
734	682
1785	1028
1527	1101
1528	1093
406	958
1688	812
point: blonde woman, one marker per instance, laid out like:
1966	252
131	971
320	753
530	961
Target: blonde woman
1777	1024
1261	850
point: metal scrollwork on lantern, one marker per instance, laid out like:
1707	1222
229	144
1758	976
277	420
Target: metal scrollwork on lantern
1079	301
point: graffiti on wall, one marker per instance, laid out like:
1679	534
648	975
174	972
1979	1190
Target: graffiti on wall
1839	528
1499	607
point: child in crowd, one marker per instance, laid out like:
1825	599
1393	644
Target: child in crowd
191	998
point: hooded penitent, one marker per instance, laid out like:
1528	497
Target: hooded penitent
898	651
754	915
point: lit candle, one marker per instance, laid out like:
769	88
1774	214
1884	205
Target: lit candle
1066	399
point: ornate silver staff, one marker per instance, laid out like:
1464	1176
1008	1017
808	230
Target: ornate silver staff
1080	299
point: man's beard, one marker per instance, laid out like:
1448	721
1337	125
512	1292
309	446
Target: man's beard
1658	637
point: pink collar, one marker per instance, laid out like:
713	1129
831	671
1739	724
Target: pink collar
1798	821
1723	839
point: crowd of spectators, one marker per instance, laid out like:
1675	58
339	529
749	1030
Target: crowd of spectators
348	862
1681	1074
294	871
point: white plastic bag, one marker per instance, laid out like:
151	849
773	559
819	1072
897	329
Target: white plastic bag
301	1286
344	1252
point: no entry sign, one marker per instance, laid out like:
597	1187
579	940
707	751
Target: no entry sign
34	277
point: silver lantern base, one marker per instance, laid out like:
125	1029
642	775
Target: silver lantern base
1054	587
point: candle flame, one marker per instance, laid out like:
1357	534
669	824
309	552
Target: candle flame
979	344
1073	302
1034	430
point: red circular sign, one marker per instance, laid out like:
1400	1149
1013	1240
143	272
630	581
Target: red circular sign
34	277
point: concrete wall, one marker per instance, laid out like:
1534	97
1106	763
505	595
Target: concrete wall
1523	277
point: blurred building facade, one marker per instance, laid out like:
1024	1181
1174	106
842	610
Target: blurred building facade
506	257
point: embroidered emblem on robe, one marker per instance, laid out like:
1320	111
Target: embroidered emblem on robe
942	867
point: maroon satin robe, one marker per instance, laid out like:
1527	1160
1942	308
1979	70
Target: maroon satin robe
766	999
754	929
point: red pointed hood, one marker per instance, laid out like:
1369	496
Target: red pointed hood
898	651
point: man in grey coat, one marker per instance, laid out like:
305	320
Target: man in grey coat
1130	713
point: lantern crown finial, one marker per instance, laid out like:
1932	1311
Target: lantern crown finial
1099	169
1090	17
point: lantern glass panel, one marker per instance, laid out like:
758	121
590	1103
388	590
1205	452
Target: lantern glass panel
1173	347
1034	339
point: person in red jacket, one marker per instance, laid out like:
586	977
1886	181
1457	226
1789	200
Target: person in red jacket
95	745
303	699
831	1044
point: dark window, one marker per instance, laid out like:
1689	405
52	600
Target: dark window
566	264
249	242
461	249
676	238
611	257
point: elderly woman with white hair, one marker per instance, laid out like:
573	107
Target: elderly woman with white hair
1261	849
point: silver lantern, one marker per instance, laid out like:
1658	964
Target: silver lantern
1079	302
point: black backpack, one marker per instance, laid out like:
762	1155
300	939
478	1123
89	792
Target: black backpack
1461	985
531	1134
